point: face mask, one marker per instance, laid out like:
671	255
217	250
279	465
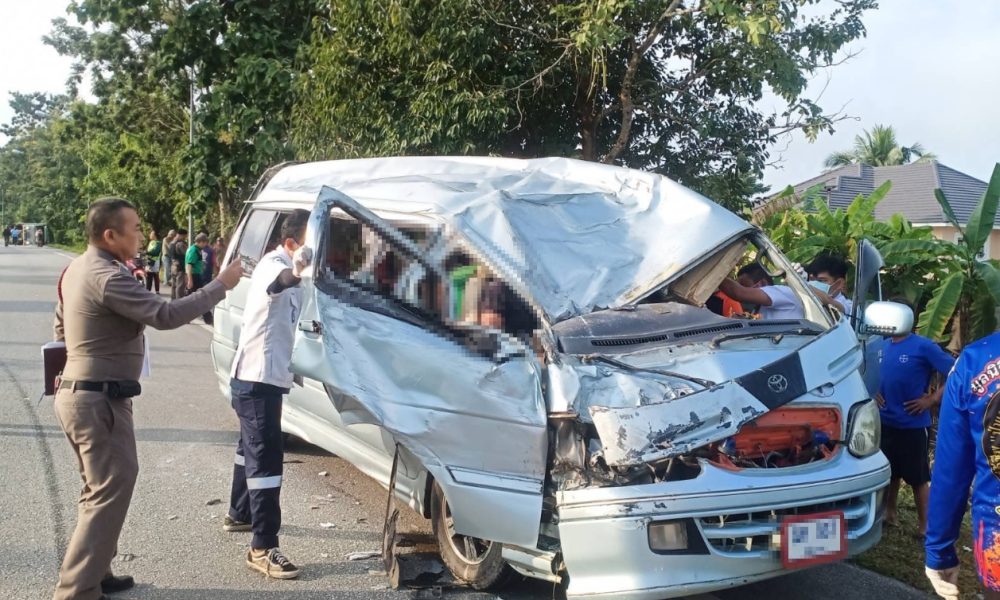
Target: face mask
819	285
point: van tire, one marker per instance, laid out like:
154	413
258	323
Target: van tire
487	570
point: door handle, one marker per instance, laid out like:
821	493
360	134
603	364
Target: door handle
310	326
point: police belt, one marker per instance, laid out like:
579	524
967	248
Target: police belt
114	389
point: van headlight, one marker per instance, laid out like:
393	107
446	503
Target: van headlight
864	432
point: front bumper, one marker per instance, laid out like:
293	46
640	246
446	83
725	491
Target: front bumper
605	542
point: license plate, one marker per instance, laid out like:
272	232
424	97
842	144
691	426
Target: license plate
813	539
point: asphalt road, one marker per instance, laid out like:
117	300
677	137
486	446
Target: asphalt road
172	542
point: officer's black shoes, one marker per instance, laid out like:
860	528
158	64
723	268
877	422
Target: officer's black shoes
231	524
272	563
112	583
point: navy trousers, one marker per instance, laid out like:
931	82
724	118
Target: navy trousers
257	469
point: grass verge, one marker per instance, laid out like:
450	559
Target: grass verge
900	554
75	248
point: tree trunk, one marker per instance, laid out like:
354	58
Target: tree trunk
587	115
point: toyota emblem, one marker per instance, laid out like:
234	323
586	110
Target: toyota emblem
777	383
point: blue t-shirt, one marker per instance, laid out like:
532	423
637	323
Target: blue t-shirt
905	371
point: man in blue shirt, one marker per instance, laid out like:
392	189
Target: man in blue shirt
907	364
967	452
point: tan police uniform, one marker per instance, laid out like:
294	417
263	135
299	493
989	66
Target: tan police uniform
101	316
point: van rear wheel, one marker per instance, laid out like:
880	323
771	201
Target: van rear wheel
473	561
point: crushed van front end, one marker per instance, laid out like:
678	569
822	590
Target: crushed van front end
730	519
690	464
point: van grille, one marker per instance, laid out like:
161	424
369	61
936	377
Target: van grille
751	534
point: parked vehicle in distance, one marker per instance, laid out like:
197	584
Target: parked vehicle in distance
533	337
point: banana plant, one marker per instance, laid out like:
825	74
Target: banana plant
804	227
962	307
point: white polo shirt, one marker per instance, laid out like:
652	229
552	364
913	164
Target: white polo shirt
264	353
845	302
784	303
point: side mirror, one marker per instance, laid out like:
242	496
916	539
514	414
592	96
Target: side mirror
888	318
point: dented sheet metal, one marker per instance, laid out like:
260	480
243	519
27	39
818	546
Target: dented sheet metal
636	435
572	236
647	431
480	431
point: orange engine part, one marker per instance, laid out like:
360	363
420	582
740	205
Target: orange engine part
786	428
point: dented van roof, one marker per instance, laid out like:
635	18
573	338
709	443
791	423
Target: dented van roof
574	236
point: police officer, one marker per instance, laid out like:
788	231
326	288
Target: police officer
101	314
260	378
967	453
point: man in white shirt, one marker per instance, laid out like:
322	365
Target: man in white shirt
832	270
755	286
260	379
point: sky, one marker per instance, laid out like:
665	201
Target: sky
929	68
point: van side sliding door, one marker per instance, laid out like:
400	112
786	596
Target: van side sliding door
474	417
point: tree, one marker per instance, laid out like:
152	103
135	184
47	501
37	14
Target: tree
878	148
963	306
668	86
806	227
238	56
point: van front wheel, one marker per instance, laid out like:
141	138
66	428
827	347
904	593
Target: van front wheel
474	561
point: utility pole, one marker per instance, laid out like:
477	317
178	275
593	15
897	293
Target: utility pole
191	145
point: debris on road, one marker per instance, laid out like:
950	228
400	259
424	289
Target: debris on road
213	502
328	525
172	518
324	473
313	507
369	554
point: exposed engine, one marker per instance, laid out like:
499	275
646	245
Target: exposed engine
785	437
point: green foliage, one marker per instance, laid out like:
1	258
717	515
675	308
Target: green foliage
972	314
665	85
671	87
940	309
958	288
240	59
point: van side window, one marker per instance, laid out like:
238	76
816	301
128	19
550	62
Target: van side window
361	256
274	238
254	236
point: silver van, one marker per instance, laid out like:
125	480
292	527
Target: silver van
533	337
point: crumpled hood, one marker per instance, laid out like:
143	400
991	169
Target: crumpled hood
641	416
572	236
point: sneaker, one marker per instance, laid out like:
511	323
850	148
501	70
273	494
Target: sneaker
272	563
231	524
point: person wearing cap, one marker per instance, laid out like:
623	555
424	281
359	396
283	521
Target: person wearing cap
101	315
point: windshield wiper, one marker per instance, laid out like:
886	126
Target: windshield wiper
622	365
775	337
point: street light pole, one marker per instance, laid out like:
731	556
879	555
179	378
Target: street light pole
191	145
